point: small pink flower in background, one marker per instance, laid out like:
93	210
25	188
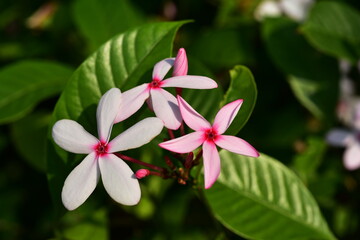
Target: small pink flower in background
349	140
209	136
117	177
163	103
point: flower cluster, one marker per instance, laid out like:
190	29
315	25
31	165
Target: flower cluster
103	155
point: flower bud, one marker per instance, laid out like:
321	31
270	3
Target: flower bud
141	173
181	63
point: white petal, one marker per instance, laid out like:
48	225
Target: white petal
352	157
188	81
339	137
166	108
162	68
81	182
107	110
236	145
184	144
119	180
72	137
131	101
138	135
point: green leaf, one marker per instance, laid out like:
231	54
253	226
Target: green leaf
99	20
333	27
29	138
26	83
121	62
242	86
313	77
259	198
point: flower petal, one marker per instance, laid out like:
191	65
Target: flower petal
236	145
211	163
119	180
162	68
339	137
188	81
181	63
226	115
72	137
352	157
131	101
136	136
107	110
184	144
81	182
166	108
191	117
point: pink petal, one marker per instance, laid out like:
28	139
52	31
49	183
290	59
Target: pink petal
181	63
226	115
166	108
339	137
188	81
162	68
236	145
136	136
352	157
81	182
107	110
184	144
119	180
211	163
131	101
72	137
192	118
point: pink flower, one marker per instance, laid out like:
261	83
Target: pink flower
117	177
162	102
349	140
209	136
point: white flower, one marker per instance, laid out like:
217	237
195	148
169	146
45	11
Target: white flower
118	179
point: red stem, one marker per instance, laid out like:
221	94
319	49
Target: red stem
130	159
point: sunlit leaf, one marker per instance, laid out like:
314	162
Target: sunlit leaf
25	84
242	86
333	27
259	198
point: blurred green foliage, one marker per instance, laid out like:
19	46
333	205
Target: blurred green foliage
295	69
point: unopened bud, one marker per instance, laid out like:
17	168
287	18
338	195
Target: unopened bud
181	63
141	173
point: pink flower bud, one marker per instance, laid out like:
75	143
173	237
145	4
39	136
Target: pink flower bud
141	173
181	63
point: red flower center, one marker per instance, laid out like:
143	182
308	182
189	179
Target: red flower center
155	83
101	148
210	134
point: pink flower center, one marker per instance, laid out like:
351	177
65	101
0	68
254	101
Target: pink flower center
210	134
156	83
101	148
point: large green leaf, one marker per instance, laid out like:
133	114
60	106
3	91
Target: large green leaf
313	77
99	20
259	198
120	62
26	83
242	86
29	138
333	28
